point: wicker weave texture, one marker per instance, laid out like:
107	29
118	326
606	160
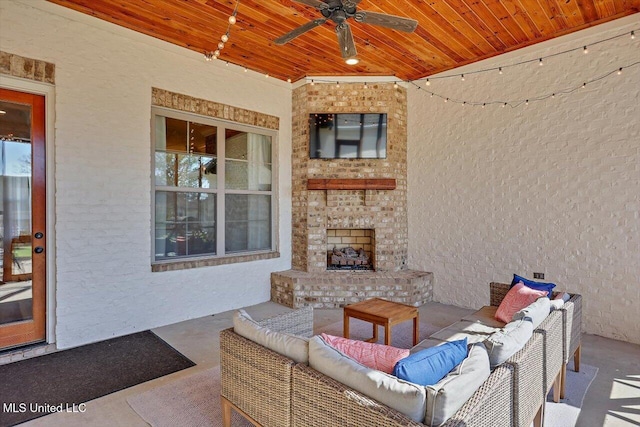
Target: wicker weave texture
576	325
528	364
497	292
255	379
491	405
551	330
298	322
320	401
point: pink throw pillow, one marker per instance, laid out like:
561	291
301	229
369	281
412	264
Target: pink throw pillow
516	299
375	356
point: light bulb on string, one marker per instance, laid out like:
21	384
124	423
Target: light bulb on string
395	85
428	83
220	45
540	63
619	70
462	77
633	35
337	84
585	50
365	86
500	70
446	100
526	102
288	80
225	38
232	19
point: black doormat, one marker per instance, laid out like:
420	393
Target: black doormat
65	380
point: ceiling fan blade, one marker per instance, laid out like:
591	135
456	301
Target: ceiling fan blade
345	40
299	31
390	21
320	5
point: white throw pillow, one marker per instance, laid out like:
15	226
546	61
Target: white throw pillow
291	346
403	396
449	394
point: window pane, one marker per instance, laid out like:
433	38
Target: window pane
248	164
185	224
186	170
247	222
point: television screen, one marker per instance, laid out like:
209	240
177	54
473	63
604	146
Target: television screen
348	136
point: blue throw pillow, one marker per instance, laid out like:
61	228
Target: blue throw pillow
540	286
429	366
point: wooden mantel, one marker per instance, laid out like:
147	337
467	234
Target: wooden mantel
351	184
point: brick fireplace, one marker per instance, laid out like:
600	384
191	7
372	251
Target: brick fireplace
364	196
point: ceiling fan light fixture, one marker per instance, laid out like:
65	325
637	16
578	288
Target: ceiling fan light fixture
352	61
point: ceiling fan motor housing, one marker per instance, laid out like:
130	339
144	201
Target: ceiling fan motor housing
339	12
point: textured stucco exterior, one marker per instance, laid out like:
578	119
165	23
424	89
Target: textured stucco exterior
551	187
104	75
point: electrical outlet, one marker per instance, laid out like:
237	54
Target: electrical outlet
538	275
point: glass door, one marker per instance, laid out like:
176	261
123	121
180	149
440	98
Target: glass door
22	219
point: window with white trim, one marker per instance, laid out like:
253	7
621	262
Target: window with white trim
212	187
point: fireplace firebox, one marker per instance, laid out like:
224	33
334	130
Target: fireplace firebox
350	249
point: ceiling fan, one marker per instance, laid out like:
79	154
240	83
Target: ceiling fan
339	11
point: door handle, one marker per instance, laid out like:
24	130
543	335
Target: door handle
38	249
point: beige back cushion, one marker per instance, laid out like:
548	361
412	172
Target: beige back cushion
403	396
291	346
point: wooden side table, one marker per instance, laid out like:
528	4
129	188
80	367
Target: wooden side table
383	313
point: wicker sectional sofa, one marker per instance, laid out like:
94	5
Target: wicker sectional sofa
270	389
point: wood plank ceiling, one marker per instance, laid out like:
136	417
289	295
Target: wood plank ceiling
450	33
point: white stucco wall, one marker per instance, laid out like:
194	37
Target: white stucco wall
104	75
551	187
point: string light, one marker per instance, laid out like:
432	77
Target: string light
225	37
515	103
288	80
502	68
633	35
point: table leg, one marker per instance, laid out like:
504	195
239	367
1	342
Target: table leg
416	333
345	326
375	334
387	333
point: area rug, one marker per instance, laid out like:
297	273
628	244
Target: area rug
566	412
401	334
194	401
67	379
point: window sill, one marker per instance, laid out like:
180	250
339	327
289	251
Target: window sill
209	262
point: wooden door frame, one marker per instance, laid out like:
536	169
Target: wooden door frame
48	91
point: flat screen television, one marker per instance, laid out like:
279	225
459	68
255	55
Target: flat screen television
348	136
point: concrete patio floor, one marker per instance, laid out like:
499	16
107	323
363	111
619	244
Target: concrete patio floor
612	400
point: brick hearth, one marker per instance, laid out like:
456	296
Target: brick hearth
361	194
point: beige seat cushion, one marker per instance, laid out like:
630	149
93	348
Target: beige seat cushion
473	331
485	316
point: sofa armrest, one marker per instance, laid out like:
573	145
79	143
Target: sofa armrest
490	405
552	333
575	331
255	379
318	400
528	364
497	292
298	322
